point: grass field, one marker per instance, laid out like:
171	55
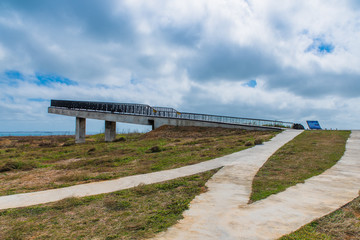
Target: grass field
310	154
38	163
307	155
136	213
33	163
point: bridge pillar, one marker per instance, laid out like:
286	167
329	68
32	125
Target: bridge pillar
80	130
160	122
110	131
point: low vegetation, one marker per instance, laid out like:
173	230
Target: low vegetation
34	163
307	155
137	213
38	163
343	223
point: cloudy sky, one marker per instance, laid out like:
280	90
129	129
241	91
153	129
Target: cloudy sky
292	61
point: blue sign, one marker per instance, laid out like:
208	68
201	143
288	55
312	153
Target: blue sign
313	125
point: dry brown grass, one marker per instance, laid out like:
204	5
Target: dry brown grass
309	154
197	132
136	213
40	163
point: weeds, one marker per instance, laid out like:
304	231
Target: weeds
17	165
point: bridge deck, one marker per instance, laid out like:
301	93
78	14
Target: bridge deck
147	115
163	112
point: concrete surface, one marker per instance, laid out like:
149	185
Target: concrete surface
80	130
223	213
110	131
248	161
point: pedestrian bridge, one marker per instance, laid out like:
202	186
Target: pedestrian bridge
147	115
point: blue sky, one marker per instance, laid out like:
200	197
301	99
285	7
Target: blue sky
291	61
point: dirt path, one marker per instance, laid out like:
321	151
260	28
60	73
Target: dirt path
250	159
223	213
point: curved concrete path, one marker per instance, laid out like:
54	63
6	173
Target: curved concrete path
250	159
223	213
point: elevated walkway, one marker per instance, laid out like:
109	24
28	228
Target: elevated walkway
154	116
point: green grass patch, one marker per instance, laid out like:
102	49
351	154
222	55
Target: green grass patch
307	155
39	163
136	213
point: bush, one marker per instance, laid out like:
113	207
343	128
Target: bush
12	165
67	144
258	141
248	143
120	139
154	149
297	126
91	150
47	144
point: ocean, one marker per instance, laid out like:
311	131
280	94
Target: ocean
40	133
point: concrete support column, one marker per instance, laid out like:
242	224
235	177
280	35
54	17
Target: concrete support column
160	122
80	130
110	131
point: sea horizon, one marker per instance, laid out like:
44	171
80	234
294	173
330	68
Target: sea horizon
40	133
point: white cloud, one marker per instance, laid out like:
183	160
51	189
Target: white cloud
191	55
2	53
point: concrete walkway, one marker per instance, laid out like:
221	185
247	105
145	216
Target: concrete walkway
248	161
223	213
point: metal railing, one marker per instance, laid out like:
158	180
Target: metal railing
125	108
146	110
165	109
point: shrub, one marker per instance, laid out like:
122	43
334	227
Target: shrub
91	150
154	149
12	165
47	144
248	143
258	141
120	139
67	144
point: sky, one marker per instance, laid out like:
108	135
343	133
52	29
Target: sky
291	61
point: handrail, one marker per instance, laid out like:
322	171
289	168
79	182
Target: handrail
146	110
